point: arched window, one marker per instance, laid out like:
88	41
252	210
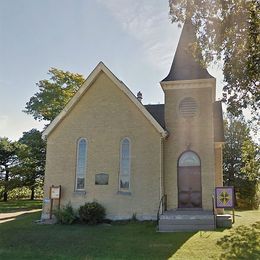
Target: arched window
125	162
189	159
81	164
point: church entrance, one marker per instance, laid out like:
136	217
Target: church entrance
189	181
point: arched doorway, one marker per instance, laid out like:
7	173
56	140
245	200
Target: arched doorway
189	181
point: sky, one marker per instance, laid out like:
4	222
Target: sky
134	38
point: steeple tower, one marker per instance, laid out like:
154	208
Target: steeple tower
188	111
184	65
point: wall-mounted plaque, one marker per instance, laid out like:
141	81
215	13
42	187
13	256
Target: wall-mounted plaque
225	197
101	179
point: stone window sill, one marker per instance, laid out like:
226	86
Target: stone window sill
125	193
79	193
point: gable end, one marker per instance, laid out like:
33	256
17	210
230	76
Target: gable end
86	85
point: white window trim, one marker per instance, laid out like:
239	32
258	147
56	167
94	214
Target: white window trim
85	170
120	166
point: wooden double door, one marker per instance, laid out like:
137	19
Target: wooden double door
189	187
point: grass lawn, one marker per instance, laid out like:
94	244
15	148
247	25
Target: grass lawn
19	205
24	239
202	245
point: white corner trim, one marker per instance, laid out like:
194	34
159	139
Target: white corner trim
194	83
190	84
86	85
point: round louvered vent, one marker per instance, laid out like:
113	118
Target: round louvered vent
188	107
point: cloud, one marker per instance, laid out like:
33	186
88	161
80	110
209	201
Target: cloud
147	21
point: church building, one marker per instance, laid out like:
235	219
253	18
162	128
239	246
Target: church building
148	161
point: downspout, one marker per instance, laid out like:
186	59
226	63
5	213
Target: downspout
162	170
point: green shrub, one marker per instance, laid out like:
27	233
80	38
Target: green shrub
65	215
242	243
92	213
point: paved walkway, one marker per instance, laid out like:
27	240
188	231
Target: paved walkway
5	217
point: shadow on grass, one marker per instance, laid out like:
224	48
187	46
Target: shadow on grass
134	240
6	217
19	205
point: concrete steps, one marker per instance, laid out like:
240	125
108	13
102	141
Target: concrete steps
186	220
224	221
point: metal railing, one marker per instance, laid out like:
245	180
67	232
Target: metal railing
162	206
214	210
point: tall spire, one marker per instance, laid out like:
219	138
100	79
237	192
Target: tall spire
184	65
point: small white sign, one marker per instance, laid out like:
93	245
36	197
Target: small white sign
46	200
55	192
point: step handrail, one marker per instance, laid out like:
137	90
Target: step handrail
162	206
214	210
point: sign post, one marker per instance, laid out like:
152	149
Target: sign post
225	198
55	194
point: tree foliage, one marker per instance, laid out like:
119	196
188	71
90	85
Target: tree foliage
22	163
236	133
54	93
250	174
241	162
251	160
31	156
8	159
228	30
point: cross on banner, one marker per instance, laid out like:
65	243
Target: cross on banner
224	197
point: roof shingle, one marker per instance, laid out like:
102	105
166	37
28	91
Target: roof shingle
157	111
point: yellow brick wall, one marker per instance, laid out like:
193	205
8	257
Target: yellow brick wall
104	116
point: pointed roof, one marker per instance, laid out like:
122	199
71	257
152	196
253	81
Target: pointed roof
184	65
86	86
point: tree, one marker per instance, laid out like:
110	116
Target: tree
228	30
54	93
250	174
236	132
8	159
31	157
241	161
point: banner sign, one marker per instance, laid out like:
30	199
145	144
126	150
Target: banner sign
225	197
55	192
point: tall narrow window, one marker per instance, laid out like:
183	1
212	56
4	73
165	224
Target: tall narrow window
81	164
125	161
